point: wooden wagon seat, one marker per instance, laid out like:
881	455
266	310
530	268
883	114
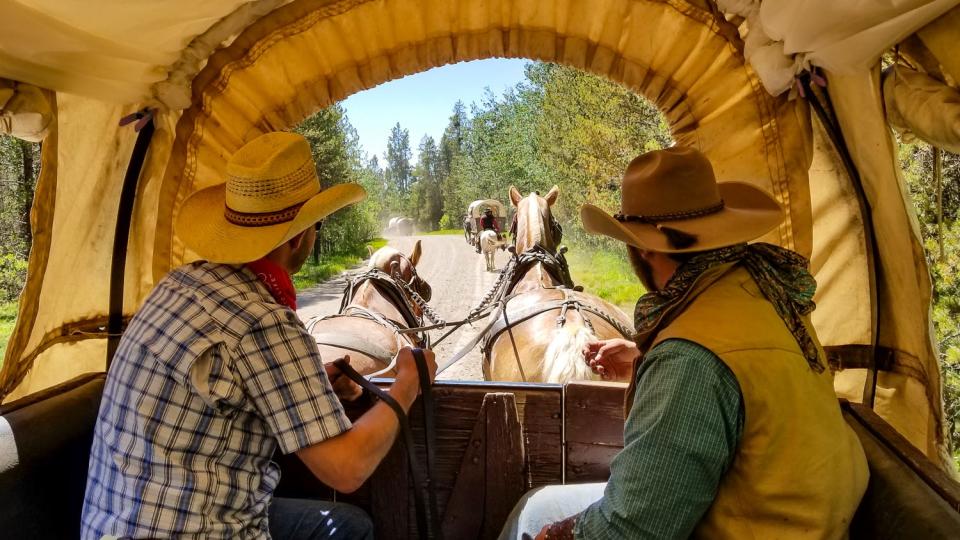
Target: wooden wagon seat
42	485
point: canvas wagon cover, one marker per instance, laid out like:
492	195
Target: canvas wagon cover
221	72
476	208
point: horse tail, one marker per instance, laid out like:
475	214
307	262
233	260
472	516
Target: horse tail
488	239
563	358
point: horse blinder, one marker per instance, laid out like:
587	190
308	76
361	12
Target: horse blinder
423	288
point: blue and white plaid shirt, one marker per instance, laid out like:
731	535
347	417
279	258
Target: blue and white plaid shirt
210	378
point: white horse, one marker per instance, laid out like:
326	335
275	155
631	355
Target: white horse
488	246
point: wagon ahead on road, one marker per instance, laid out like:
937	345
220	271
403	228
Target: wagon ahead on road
471	222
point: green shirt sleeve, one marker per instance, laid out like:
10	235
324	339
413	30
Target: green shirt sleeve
679	439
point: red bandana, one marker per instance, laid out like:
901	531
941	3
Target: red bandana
277	281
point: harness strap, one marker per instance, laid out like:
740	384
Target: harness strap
469	346
429	440
353	343
501	324
390	290
428	520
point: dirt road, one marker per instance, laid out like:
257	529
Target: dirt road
459	280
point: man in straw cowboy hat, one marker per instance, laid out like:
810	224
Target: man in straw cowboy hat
215	373
733	428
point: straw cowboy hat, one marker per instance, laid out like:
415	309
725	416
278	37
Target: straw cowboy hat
272	193
672	203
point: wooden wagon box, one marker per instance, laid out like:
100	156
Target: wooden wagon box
494	442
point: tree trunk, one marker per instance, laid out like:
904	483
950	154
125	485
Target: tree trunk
25	190
938	181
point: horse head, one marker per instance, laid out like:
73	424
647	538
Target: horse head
395	264
535	222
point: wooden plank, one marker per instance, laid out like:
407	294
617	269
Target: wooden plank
589	462
505	461
593	429
593	413
913	457
542	417
457	405
464	518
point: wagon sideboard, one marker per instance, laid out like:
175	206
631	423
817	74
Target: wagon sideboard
494	442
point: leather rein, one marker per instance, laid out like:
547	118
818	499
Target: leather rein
424	494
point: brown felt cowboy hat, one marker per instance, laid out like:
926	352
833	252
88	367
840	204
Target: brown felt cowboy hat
672	203
271	194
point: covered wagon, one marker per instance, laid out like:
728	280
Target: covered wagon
475	211
799	109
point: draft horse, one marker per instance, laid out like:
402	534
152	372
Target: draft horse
377	306
545	322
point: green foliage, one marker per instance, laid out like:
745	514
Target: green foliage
559	126
336	152
8	317
19	168
607	274
426	200
399	171
13	275
445	232
942	245
329	265
314	272
446	222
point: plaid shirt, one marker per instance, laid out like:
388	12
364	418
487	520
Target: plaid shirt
211	377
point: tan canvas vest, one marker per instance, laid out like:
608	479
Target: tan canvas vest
799	470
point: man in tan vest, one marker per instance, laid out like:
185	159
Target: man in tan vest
733	428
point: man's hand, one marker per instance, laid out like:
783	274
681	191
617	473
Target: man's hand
344	462
560	530
343	387
612	359
406	386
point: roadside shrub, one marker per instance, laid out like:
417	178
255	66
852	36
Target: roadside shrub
13	275
445	222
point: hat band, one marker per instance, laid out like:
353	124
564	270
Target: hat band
676	216
262	219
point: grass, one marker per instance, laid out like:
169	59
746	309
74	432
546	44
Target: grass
331	265
605	274
377	243
443	232
8	316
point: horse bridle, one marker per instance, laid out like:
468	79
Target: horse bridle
395	290
556	230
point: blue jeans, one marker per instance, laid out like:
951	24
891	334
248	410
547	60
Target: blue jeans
307	519
549	504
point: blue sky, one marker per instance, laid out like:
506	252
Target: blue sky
422	103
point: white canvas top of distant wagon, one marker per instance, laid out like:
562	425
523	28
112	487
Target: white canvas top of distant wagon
475	210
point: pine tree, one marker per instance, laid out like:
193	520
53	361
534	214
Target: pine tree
398	155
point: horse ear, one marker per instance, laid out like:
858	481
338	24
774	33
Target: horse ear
415	255
552	195
515	196
369	251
